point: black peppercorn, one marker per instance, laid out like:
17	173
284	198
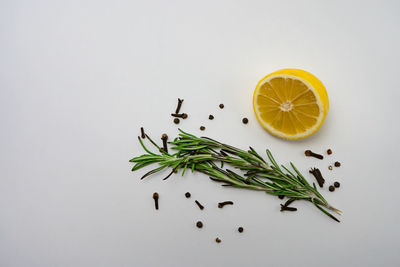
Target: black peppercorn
202	128
187	195
176	121
211	117
329	151
337	164
336	184
199	224
221	106
331	188
217	240
240	229
245	120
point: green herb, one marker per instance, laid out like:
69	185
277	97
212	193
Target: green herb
202	153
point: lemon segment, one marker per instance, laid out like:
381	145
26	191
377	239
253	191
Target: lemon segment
291	103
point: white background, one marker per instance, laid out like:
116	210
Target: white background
79	78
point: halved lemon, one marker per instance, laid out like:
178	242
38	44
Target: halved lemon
290	103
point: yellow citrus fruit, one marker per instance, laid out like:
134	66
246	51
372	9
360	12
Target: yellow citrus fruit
290	103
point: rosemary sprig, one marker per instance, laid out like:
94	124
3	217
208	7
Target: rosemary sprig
201	154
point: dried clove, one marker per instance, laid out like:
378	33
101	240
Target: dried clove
245	120
289	201
211	117
309	153
198	204
156	197
318	176
187	195
176	121
222	204
337	164
164	138
178	108
336	184
142	132
182	115
283	208
199	224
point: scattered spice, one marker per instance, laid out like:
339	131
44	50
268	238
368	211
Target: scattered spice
222	204
330	167
156	197
318	176
202	128
221	106
337	164
281	196
187	195
164	138
329	151
245	120
176	121
143	134
336	184
217	240
182	115
211	117
290	201
331	188
240	229
286	205
199	224
283	208
178	108
198	204
309	153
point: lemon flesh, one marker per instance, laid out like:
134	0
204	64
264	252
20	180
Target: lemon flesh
291	103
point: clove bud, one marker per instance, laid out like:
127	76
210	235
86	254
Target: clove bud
156	197
309	153
178	108
199	205
318	176
222	204
164	138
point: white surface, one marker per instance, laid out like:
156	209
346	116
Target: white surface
79	78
